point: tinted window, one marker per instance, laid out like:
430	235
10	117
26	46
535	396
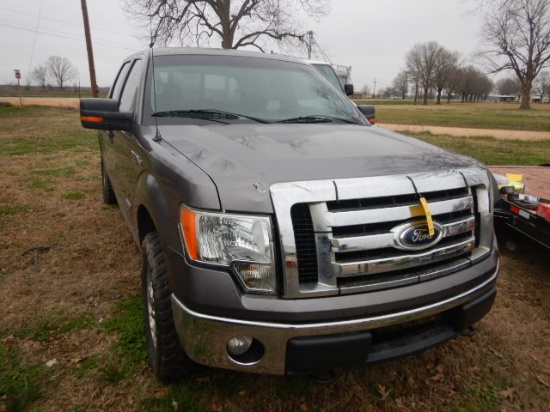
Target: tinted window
266	89
119	81
130	87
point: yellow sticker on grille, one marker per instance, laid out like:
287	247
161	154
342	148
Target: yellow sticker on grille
428	214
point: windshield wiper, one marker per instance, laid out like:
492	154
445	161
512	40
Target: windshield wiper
209	114
316	118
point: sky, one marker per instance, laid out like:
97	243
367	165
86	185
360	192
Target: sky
371	36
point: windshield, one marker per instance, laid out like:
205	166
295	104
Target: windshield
252	89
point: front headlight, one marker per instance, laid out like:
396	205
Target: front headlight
241	242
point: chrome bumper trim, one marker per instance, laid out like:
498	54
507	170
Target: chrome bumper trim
204	337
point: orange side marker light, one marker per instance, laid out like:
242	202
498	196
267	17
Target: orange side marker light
91	119
189	227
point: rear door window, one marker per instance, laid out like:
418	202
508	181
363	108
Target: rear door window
114	93
130	87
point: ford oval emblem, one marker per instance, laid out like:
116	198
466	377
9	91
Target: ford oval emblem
416	236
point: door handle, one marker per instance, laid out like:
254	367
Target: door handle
136	158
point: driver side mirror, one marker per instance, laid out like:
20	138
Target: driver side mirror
368	111
103	114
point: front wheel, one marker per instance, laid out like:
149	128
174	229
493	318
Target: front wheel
166	357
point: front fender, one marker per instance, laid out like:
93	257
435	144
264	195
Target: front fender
160	191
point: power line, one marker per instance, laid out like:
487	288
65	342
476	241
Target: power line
65	22
65	35
42	29
35	35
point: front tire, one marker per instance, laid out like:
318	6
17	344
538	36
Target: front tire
166	357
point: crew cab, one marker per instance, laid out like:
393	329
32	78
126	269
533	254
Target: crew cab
281	232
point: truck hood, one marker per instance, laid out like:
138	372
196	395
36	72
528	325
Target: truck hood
245	160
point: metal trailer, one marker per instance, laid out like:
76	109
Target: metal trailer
517	217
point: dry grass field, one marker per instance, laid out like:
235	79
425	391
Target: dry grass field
71	333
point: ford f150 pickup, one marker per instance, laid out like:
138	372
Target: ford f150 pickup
280	232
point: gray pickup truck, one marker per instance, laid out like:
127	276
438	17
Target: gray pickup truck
280	232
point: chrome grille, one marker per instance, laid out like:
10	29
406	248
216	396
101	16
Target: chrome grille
341	235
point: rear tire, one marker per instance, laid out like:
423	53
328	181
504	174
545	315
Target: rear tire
166	357
108	192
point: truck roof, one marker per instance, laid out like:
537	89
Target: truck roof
170	51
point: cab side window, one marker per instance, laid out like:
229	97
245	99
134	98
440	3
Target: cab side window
130	87
114	93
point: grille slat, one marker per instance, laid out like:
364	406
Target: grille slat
359	235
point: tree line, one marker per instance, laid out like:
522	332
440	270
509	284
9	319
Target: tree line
55	70
431	69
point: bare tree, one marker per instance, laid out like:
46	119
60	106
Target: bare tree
472	84
401	84
453	83
423	60
509	86
39	75
518	35
414	80
237	23
60	69
447	63
365	90
484	4
542	85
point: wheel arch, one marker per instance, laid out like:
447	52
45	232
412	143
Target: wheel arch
145	223
155	214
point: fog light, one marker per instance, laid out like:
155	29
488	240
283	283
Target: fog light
239	345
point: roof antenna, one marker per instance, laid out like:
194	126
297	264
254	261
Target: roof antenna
157	137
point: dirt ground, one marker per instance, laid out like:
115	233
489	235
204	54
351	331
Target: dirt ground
68	102
66	258
467	132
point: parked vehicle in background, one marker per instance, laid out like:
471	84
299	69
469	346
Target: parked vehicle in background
280	232
327	70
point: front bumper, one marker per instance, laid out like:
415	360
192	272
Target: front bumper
286	348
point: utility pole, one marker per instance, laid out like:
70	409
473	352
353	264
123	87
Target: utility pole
95	91
309	44
374	92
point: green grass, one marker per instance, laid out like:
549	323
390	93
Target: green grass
470	115
129	350
492	151
12	111
66	171
55	324
385	102
19	383
74	196
13	210
18	147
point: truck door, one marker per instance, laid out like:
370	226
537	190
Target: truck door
123	154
